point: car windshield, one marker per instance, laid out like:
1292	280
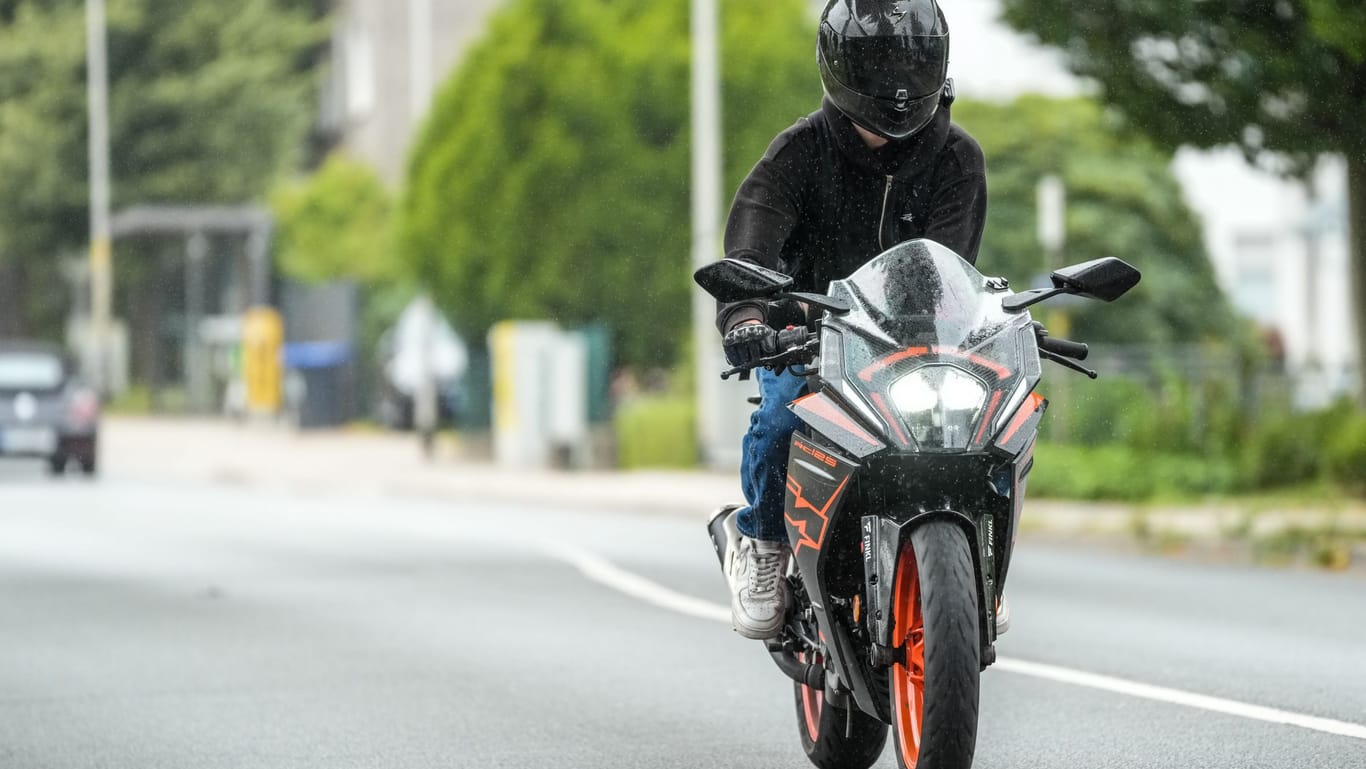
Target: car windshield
29	371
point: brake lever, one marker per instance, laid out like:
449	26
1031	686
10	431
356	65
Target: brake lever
779	361
1067	363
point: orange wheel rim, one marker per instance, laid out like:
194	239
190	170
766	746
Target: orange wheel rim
908	678
812	701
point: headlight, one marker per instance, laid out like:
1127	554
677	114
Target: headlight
940	404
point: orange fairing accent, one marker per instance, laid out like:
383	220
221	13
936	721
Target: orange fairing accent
908	678
822	513
1027	409
872	368
915	352
824	408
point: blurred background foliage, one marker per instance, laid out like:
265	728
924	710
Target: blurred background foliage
1122	200
1282	79
550	180
551	177
336	224
209	103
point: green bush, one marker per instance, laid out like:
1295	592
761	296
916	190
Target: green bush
657	431
1291	448
1100	413
1176	416
1124	474
1346	455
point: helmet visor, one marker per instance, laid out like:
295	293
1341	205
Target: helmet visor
890	67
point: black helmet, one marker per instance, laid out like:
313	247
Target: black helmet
884	62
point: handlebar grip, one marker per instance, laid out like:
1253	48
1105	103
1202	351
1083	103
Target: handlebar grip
792	337
1064	347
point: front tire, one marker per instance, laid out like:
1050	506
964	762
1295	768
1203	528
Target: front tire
935	616
822	726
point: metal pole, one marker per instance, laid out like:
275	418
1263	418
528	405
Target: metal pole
258	264
101	270
706	209
419	57
196	368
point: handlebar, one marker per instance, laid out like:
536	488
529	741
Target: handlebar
796	345
1064	347
1063	352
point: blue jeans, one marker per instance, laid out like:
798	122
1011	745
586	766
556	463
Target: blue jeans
763	461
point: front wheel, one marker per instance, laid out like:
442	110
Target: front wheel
822	727
935	686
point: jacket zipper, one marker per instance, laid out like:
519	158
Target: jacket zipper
882	222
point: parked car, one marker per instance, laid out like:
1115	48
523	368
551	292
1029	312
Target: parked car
45	411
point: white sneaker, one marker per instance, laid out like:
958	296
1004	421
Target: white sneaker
756	570
1002	615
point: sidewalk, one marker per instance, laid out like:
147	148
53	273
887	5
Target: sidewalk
363	461
376	462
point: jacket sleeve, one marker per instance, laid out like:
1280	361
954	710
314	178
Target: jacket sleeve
766	210
958	210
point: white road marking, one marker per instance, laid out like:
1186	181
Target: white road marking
604	572
1179	697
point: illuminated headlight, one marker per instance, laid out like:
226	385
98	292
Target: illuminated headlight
940	404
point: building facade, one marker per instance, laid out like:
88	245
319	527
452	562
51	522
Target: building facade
388	58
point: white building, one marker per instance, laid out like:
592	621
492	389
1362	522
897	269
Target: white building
388	57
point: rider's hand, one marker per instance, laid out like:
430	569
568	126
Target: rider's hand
749	342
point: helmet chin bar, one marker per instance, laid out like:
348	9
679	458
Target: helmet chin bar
946	97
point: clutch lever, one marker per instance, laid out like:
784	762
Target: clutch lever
1067	363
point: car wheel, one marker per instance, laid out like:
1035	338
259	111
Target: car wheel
56	464
88	465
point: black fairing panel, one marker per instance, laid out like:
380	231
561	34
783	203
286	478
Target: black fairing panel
825	546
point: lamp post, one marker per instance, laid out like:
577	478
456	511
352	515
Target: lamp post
706	205
101	267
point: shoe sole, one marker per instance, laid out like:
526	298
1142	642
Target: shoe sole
752	631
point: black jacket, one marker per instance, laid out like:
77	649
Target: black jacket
821	203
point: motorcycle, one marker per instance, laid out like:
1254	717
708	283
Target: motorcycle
904	489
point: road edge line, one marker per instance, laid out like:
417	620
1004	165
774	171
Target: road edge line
602	571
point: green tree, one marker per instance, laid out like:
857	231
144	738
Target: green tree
550	180
1272	76
1122	200
335	224
209	102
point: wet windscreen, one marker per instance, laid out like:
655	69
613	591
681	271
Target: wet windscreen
922	293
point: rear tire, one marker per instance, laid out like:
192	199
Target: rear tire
88	466
56	464
822	727
935	691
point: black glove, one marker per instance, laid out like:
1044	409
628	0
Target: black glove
748	343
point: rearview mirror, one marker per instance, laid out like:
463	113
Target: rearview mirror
1105	279
733	280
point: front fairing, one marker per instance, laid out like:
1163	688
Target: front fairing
919	309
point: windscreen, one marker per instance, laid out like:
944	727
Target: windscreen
30	371
921	293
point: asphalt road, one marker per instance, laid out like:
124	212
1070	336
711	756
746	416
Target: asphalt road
160	625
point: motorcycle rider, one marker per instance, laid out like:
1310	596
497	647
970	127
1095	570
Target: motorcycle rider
879	163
